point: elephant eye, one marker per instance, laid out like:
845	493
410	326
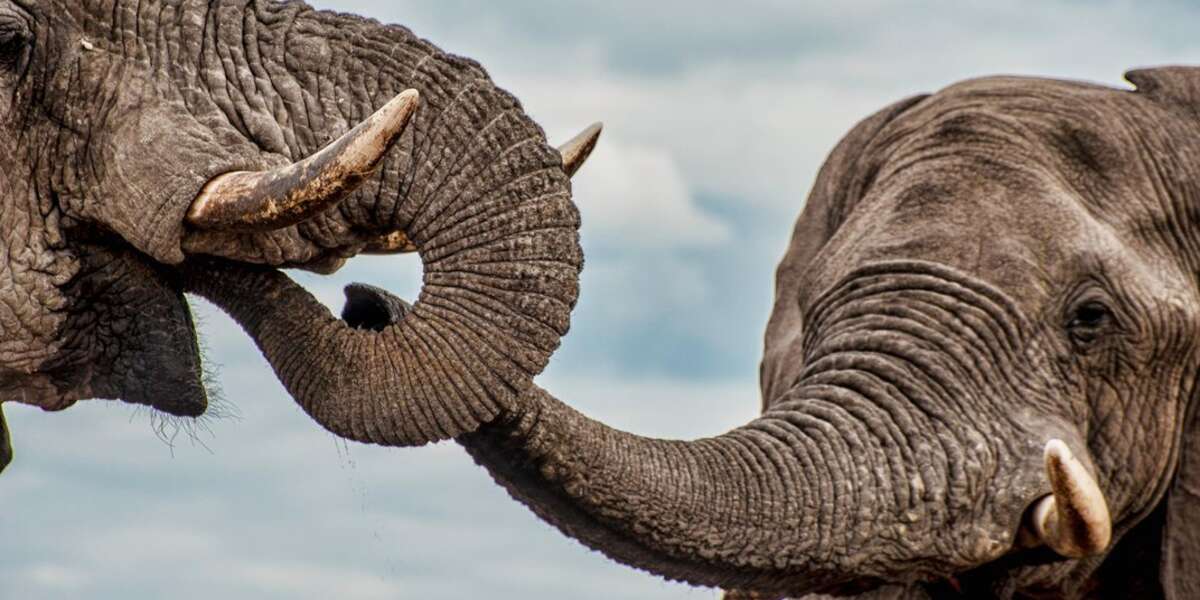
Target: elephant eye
14	38
1088	322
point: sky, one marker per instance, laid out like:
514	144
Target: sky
717	115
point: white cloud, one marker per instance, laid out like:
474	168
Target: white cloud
658	287
752	141
634	195
55	577
309	580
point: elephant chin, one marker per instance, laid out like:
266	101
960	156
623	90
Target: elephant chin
128	335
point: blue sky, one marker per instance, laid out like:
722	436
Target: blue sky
718	115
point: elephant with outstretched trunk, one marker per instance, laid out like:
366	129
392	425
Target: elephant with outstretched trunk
978	377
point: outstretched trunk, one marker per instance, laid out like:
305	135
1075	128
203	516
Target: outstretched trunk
472	183
806	498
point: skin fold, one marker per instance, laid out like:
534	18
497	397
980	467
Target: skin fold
976	273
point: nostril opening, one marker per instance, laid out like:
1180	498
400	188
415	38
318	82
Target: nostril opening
372	308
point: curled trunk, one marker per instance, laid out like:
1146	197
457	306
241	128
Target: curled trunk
481	329
472	184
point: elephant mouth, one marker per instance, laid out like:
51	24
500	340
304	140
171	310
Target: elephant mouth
126	332
128	335
1070	520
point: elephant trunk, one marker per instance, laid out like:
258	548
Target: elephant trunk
466	156
803	499
494	305
471	183
890	456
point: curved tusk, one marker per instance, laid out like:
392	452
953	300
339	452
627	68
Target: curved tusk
576	151
268	200
1074	520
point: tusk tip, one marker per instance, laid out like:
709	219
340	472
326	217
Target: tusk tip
1058	451
405	101
576	151
394	115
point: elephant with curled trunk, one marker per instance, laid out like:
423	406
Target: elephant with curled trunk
978	378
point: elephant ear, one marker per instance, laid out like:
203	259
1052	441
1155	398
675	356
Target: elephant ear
1178	89
1181	538
1177	86
843	179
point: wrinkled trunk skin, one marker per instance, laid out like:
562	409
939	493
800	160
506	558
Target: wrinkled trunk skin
473	184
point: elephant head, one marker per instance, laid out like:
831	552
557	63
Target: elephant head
147	141
978	378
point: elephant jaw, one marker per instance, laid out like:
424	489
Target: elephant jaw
126	333
140	347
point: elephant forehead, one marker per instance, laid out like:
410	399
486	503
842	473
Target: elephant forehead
1021	238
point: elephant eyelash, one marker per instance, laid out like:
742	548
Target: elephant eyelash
1089	321
1091	315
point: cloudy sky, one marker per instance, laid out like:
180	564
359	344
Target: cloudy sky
718	115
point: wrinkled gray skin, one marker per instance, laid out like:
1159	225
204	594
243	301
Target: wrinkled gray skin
975	272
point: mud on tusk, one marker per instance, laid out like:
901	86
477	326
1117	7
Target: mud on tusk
268	200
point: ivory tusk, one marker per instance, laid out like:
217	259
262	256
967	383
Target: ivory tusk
268	200
1074	520
576	151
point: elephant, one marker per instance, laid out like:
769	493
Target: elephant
978	376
